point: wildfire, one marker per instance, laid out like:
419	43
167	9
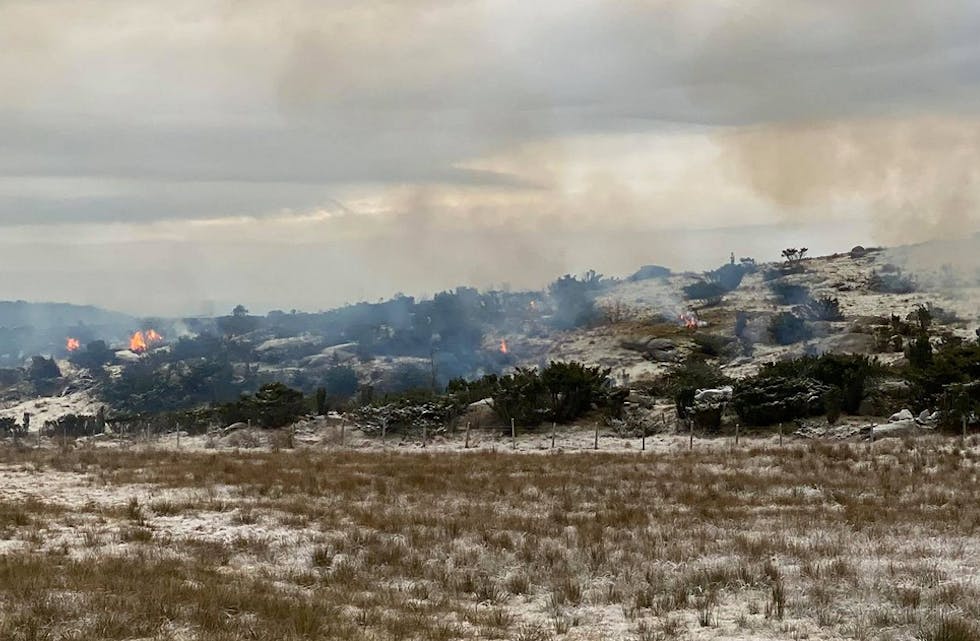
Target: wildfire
140	341
690	320
503	346
72	344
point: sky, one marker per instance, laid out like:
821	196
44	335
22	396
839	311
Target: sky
180	157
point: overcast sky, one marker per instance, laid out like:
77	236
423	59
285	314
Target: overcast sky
182	156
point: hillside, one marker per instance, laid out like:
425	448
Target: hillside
642	329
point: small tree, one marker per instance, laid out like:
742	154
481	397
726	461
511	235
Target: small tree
794	256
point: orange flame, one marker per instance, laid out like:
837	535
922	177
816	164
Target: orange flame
503	346
140	342
137	342
72	344
690	320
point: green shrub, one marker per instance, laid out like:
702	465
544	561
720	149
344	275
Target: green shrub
340	381
768	400
274	405
851	374
561	392
684	381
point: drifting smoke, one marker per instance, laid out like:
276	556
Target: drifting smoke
919	178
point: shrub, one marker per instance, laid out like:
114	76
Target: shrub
703	290
340	381
850	374
789	294
575	300
9	427
71	425
786	328
728	277
648	272
684	381
891	282
712	345
274	405
561	392
825	308
765	400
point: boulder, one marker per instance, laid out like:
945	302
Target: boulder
713	396
904	415
661	344
848	343
896	428
662	356
858	252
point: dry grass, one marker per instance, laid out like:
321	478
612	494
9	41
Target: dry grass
808	541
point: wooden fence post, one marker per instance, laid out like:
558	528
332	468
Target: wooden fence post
780	435
513	435
554	427
596	444
736	433
467	446
690	427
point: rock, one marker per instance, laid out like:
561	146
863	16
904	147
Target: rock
904	415
925	416
896	428
661	344
847	343
661	356
234	427
712	396
858	252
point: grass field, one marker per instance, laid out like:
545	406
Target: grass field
807	541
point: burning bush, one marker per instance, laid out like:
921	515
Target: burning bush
94	356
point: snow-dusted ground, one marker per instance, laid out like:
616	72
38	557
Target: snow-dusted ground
613	525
